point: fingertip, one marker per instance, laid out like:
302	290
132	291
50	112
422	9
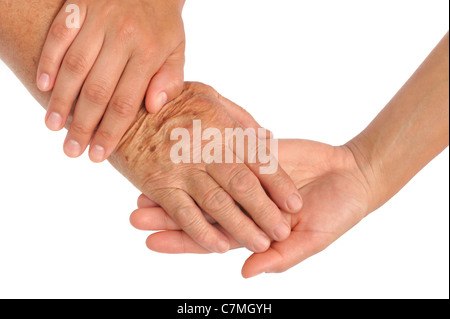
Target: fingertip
54	121
143	201
166	85
149	244
282	231
294	203
159	101
223	246
261	243
140	200
97	153
148	104
158	242
250	269
134	218
72	148
43	82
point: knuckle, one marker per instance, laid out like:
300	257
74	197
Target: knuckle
80	128
60	32
267	213
127	28
109	8
243	182
216	200
202	235
281	183
97	94
76	63
60	103
176	84
240	226
123	106
185	217
107	136
47	60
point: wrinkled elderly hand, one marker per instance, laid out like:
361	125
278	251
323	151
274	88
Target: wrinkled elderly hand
336	197
145	157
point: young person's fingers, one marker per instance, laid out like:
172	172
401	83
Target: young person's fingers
122	109
283	255
152	218
178	242
61	35
95	95
144	202
73	72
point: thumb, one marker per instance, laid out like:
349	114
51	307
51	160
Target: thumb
281	256
167	84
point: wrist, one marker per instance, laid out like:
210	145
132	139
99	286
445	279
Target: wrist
369	172
131	148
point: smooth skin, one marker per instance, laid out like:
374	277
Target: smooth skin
341	185
20	48
124	50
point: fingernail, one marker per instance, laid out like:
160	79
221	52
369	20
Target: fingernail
281	231
261	243
223	246
97	153
43	82
294	203
161	100
72	148
54	121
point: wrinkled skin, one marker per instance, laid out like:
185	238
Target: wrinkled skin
21	46
148	142
336	197
143	156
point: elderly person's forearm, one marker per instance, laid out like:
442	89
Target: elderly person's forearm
143	154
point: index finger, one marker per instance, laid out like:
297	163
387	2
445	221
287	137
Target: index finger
62	33
261	157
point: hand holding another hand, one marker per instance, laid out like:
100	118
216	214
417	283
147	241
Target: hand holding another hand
121	51
336	197
220	189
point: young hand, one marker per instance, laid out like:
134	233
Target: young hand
121	51
335	197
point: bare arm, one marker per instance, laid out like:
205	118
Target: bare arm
23	29
341	185
410	131
143	153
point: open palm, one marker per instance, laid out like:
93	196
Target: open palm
335	199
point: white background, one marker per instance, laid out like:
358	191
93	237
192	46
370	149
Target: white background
318	70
